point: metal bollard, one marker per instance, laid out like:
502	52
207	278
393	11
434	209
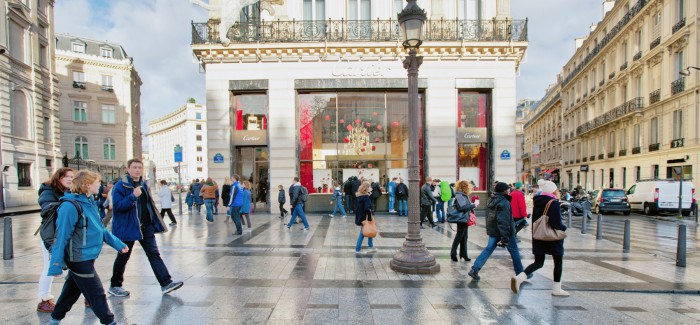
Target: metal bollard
7	251
680	251
568	219
599	230
583	221
695	212
626	240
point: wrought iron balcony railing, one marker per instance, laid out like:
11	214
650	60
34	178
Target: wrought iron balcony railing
637	56
601	156
299	31
655	43
636	150
79	84
623	66
601	83
632	106
592	158
678	86
611	154
592	89
108	88
611	75
622	153
578	161
677	143
654	147
654	96
585	159
678	25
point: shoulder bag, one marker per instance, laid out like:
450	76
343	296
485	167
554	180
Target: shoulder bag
541	230
369	227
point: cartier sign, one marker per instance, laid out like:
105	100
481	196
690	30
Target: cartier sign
250	137
471	135
359	69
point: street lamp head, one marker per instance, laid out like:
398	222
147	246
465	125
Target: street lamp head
411	19
685	73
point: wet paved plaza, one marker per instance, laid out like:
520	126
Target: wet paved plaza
272	275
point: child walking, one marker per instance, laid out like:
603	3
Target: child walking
282	199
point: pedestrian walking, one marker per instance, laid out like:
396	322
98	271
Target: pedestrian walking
166	202
519	208
135	218
540	248
208	194
337	201
402	197
215	207
364	212
445	197
440	204
51	191
298	194
78	250
281	199
107	204
501	231
196	190
375	193
391	191
463	205
226	191
247	202
235	203
427	202
189	198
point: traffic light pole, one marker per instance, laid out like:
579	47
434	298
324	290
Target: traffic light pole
179	191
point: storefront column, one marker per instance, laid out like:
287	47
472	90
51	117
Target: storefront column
283	136
440	122
503	129
218	125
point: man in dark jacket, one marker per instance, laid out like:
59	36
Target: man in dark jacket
427	201
402	197
135	218
501	231
376	193
349	196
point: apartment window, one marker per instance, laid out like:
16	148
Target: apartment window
624	177
47	128
81	147
314	10
601	145
107	84
359	10
612	142
638	84
18	41
49	162
43	55
612	178
656	27
623	139
198	127
637	173
678	65
19	114
109	149
398	6
79	111
199	149
199	158
654	131
655	171
677	124
78	47
198	116
24	172
78	79
637	135
106	52
680	9
602	178
469	9
638	44
199	169
199	138
109	114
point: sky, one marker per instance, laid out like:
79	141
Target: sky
157	34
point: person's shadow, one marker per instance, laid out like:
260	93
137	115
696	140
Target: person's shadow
166	305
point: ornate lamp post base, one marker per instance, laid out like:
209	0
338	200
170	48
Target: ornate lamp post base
414	258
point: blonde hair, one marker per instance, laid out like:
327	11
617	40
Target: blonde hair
227	180
82	181
364	188
247	185
464	187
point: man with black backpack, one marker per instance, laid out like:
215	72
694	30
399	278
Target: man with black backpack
402	197
298	195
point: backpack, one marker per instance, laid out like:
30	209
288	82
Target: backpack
303	194
47	229
401	190
445	191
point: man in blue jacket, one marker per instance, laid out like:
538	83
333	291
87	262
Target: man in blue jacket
135	218
236	202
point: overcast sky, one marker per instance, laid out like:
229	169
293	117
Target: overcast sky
157	34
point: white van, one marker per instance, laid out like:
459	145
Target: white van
661	195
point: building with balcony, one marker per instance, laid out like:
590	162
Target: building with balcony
521	112
29	126
303	88
543	138
187	127
630	106
100	109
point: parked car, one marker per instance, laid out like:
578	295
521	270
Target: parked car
611	200
661	195
183	187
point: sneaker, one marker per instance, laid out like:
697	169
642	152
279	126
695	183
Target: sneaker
118	292
358	252
46	306
171	287
372	249
344	216
54	321
474	274
331	215
173	224
305	229
288	227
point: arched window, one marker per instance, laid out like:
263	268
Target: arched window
81	147
109	149
20	115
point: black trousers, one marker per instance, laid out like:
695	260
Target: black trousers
151	247
460	240
539	262
282	210
170	214
426	211
374	203
82	278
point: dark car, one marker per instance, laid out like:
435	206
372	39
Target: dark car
611	200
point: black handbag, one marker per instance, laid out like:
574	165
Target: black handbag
456	216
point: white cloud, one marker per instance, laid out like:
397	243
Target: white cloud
157	34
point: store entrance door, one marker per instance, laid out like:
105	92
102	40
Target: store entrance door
252	164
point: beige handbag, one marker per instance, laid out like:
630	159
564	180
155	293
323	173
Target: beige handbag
541	230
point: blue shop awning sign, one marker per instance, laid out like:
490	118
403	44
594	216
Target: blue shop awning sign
505	155
218	158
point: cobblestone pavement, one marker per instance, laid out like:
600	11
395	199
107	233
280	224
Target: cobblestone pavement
278	276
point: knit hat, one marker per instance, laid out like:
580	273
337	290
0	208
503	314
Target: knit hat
518	185
501	187
547	186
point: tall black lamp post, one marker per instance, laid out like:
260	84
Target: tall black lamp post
413	257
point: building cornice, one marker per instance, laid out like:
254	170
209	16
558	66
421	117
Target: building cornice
92	60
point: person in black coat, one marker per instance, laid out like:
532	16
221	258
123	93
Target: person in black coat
375	194
353	190
282	199
540	248
363	211
349	196
402	197
226	191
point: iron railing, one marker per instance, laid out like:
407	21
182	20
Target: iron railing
601	83
611	75
654	96
601	156
655	43
677	143
108	88
592	89
107	172
611	154
299	31
585	159
622	153
654	147
678	86
592	158
623	66
631	106
678	25
79	84
637	56
636	150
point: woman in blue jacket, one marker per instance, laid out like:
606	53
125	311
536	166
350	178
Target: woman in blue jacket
337	201
363	211
247	202
78	244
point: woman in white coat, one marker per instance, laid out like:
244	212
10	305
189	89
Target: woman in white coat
166	202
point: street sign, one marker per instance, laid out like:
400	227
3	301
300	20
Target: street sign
178	153
218	158
505	155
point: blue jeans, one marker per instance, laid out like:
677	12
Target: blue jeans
392	202
339	206
403	207
298	211
209	204
491	246
360	239
440	211
236	216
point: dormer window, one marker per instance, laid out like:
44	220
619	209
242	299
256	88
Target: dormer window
78	47
106	52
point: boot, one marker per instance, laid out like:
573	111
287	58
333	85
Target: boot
516	281
557	290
